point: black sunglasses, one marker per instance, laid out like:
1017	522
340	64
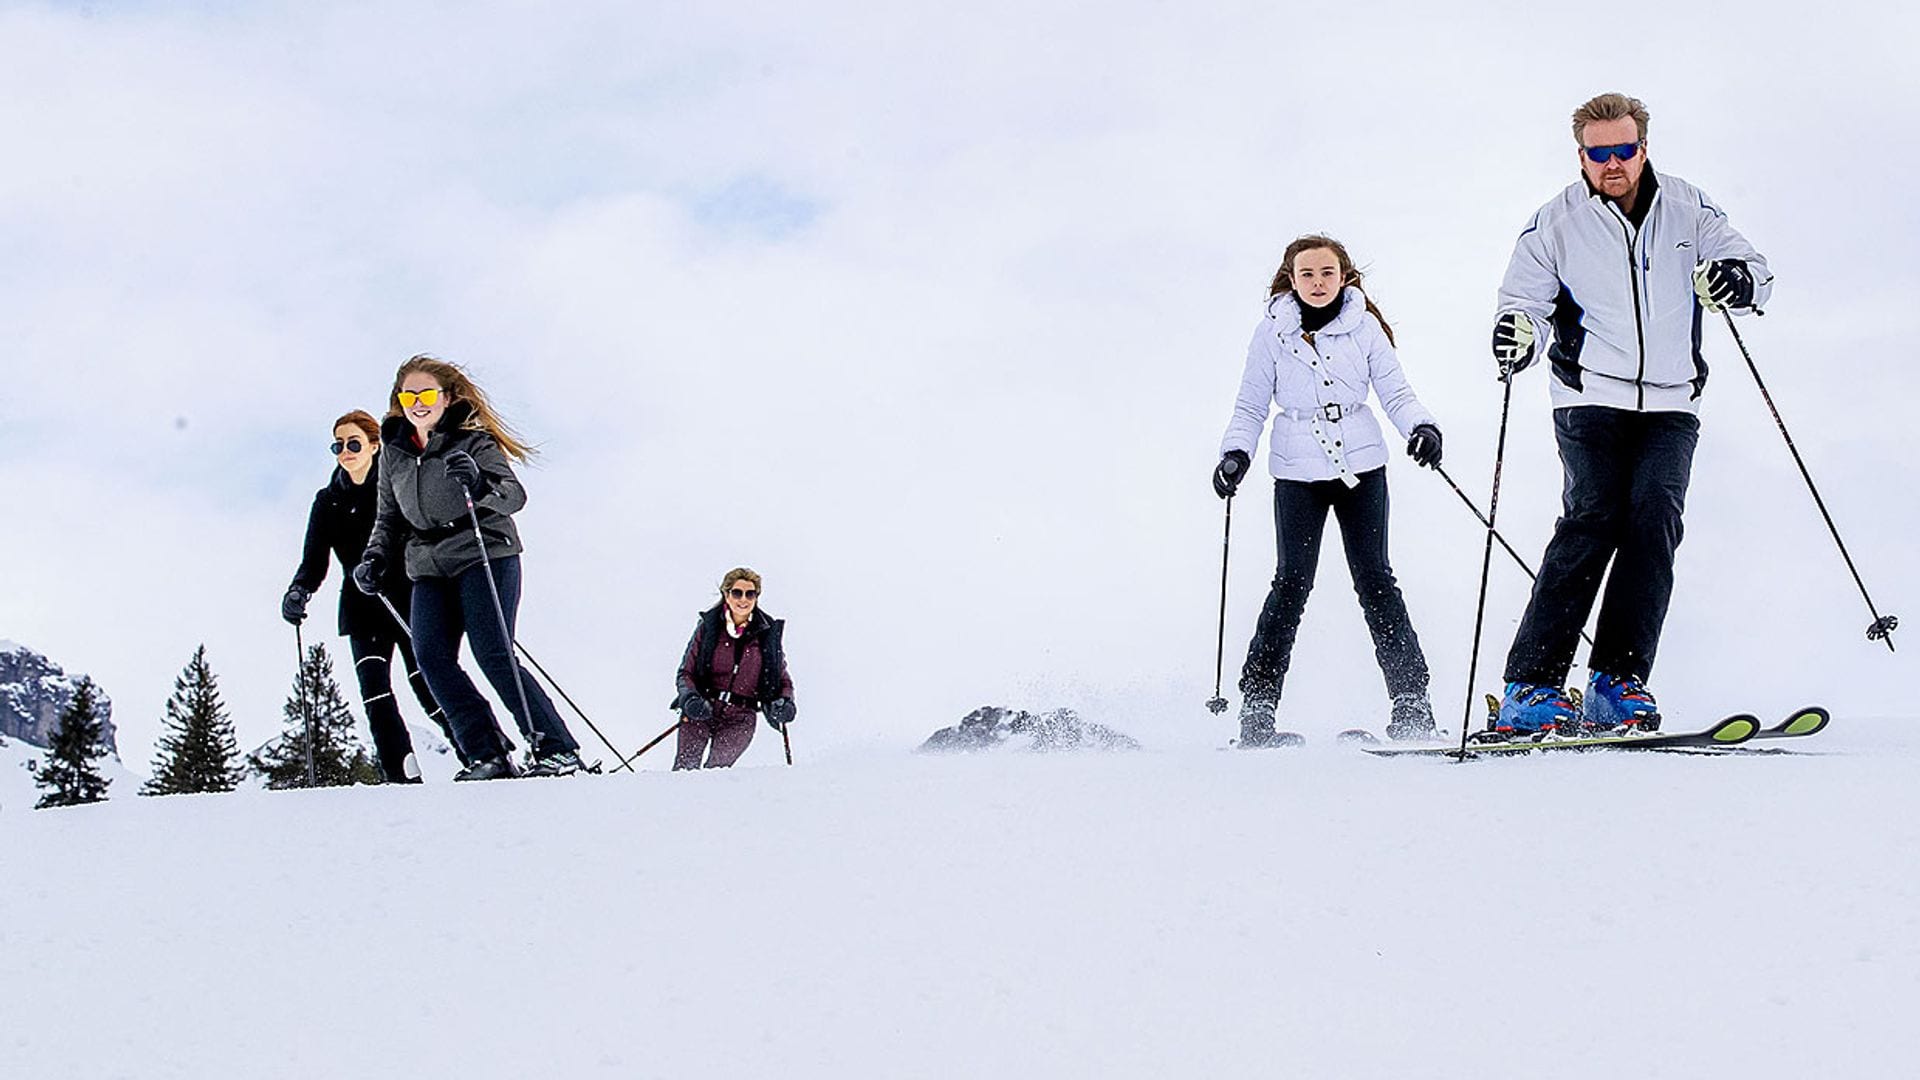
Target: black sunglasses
743	594
353	445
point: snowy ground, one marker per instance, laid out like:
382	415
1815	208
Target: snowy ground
1175	912
18	792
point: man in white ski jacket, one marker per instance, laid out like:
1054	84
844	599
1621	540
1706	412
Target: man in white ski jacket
1611	280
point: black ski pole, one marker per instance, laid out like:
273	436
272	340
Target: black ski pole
1468	499
1486	557
500	611
306	703
1883	625
651	743
551	681
568	698
445	723
397	617
786	741
1218	704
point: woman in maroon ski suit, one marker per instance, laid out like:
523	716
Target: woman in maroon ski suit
734	667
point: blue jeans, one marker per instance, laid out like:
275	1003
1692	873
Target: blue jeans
1625	488
446	608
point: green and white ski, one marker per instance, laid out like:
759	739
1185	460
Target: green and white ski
1811	720
1729	734
1731	731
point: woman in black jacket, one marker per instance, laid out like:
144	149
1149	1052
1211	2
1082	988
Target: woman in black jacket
444	444
339	523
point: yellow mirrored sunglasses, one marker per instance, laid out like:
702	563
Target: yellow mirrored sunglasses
409	398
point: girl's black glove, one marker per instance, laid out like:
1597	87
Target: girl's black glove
1424	447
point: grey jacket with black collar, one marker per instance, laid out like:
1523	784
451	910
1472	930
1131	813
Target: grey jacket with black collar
424	510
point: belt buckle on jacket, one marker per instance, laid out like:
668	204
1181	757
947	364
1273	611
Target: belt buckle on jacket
1331	411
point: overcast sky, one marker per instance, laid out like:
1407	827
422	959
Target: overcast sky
932	313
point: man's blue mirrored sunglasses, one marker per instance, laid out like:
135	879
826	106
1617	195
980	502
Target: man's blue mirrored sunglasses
1599	155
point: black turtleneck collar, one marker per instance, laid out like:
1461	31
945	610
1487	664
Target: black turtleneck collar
1315	319
397	431
1642	199
343	482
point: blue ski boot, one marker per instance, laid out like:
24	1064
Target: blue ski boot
1530	709
1618	704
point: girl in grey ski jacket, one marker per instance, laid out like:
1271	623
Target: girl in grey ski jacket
1317	393
423	512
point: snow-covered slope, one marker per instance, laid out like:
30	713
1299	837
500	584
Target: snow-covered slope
17	790
1168	913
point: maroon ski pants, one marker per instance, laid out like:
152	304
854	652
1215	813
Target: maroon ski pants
728	737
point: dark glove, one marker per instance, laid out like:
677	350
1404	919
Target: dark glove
1228	474
1424	446
293	606
463	470
1513	342
1724	283
696	708
780	712
368	575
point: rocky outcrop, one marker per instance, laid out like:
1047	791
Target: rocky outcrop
34	691
991	727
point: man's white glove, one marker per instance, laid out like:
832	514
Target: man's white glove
1723	283
1513	341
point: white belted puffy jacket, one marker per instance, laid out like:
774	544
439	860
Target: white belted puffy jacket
1316	393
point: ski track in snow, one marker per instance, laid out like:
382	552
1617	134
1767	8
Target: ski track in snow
1174	912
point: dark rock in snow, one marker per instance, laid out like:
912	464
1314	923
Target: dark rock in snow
33	694
991	727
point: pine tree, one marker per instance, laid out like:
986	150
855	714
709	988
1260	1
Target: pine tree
68	773
339	758
198	754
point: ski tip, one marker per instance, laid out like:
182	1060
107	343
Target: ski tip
1735	729
1807	721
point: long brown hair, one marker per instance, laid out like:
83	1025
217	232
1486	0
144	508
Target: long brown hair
1283	278
460	387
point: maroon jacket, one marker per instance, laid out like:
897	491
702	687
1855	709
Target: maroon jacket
736	675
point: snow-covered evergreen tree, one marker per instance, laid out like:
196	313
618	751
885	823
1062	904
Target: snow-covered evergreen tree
198	753
339	758
68	774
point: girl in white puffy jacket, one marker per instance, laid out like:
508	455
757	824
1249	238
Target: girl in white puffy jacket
1321	347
